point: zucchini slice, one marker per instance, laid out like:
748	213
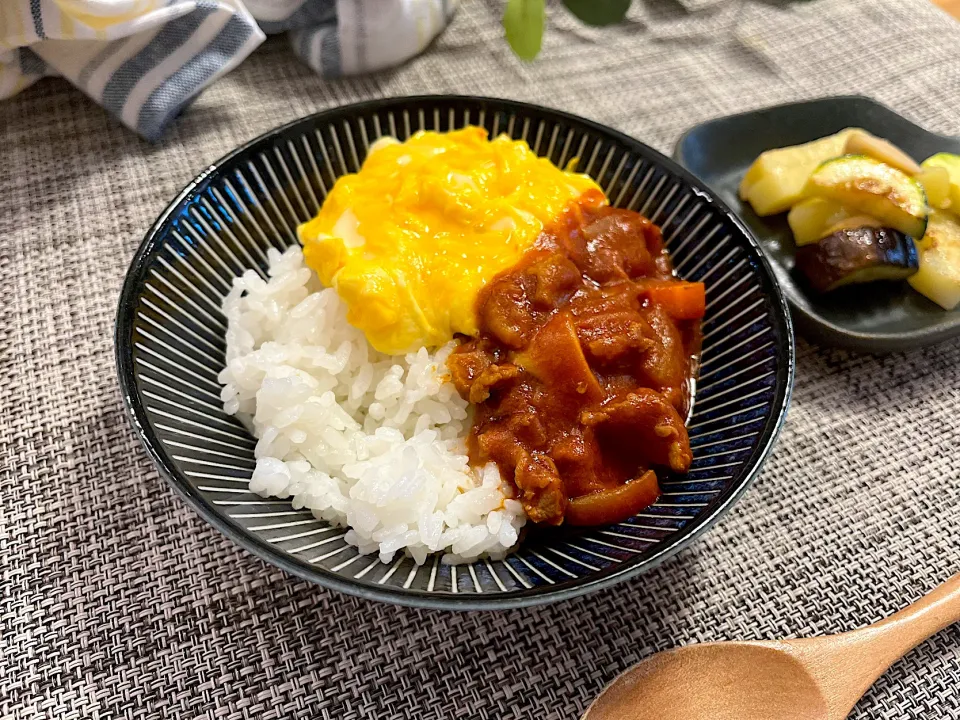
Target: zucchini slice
875	189
857	256
939	274
852	223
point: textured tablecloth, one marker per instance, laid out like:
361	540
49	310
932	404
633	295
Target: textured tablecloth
119	602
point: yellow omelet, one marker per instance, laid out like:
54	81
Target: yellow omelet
410	240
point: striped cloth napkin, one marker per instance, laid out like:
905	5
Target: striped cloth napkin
144	60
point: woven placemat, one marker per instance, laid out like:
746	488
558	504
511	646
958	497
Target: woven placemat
119	602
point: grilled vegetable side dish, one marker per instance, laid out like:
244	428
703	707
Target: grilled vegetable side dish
939	274
858	255
950	164
815	218
872	188
775	181
862	210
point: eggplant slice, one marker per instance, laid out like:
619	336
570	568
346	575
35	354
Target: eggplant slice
857	255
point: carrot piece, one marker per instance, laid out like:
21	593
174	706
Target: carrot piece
682	300
611	506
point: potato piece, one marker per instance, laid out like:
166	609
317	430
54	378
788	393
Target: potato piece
809	219
936	184
874	189
776	179
860	142
939	274
950	163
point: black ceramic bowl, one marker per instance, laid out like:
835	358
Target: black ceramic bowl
876	317
170	348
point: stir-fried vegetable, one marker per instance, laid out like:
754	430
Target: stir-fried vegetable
777	178
857	256
616	504
939	275
951	164
681	300
876	189
856	204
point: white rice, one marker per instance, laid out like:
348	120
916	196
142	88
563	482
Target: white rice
368	441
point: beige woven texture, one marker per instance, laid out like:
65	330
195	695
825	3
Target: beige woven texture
119	602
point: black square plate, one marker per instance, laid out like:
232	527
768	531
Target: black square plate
879	317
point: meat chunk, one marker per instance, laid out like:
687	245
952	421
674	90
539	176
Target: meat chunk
577	457
646	424
614	297
620	245
609	323
555	279
499	443
491	377
577	377
528	428
542	493
466	364
505	310
506	439
627	337
615	336
666	364
664	266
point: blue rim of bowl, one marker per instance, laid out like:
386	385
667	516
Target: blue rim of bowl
136	414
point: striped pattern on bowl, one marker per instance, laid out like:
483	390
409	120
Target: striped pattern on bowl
170	348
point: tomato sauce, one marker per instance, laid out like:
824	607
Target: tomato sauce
580	374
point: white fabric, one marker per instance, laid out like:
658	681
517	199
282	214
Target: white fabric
144	60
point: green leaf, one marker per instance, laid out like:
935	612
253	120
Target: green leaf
523	23
598	12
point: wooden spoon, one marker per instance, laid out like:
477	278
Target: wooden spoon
812	679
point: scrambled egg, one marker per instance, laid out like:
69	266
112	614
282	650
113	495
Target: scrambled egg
409	241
